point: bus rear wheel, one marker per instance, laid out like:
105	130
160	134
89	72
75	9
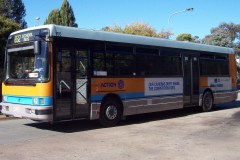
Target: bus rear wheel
207	101
110	113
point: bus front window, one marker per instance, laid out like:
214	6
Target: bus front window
23	64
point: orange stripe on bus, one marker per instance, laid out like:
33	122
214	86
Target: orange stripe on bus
233	69
203	82
107	85
41	89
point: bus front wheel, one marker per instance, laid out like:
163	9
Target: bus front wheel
110	113
207	101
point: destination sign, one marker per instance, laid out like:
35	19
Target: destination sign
25	37
28	36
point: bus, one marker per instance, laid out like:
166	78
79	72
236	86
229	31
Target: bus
55	73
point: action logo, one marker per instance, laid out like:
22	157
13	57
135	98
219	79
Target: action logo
120	84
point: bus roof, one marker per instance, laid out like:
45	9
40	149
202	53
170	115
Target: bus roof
71	32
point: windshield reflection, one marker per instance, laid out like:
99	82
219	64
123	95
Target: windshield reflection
25	65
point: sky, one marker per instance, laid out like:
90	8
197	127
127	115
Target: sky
96	14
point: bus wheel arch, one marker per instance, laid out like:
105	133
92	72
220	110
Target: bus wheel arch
207	100
111	110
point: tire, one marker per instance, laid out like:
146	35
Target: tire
110	113
207	101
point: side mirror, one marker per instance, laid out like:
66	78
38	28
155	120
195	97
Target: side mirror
37	47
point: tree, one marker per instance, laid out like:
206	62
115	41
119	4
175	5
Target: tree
137	28
14	10
54	17
188	37
226	35
67	15
185	37
18	12
5	8
64	16
143	29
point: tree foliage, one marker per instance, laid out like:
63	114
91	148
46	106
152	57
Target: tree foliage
67	15
138	28
14	10
18	12
226	35
64	16
185	37
188	37
54	17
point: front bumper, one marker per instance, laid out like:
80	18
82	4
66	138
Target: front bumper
38	113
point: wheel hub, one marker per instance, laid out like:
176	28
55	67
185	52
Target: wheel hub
111	112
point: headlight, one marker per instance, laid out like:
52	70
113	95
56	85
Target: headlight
38	101
35	101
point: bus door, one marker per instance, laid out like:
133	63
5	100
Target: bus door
71	84
82	84
63	106
191	80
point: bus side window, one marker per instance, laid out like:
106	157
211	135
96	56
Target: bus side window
59	56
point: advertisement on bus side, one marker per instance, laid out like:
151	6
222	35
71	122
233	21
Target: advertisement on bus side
163	86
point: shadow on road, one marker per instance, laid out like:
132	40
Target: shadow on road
236	115
67	126
86	125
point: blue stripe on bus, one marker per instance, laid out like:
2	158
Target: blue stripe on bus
234	88
25	100
99	97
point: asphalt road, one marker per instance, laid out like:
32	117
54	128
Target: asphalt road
180	134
